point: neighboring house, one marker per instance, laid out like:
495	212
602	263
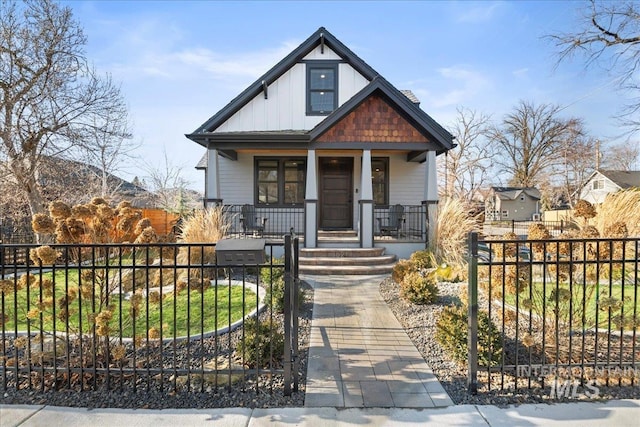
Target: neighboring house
323	142
77	182
512	203
603	182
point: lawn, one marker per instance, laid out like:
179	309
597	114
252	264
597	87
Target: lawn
53	300
578	300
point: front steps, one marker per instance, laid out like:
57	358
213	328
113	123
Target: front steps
338	253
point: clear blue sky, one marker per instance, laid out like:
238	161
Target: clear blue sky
179	62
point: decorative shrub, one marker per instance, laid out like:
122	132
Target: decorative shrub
452	329
273	279
401	268
423	260
418	288
263	344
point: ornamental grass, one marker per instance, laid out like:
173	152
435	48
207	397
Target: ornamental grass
454	224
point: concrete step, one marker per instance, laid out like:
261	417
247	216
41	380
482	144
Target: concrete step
340	252
332	270
327	261
341	260
322	235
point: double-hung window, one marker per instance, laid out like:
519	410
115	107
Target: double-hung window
322	88
280	181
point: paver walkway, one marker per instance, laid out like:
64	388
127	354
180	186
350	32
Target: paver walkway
359	354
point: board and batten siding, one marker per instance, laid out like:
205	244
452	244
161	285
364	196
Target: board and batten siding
285	106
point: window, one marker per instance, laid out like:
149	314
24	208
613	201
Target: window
280	181
380	180
322	88
598	184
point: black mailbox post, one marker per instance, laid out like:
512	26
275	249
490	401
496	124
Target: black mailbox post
240	251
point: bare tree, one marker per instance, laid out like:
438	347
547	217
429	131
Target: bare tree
608	35
528	140
106	146
51	99
622	157
170	189
467	166
578	153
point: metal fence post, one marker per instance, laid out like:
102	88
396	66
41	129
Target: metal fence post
296	312
472	337
288	279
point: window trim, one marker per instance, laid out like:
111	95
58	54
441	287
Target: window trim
598	184
281	182
386	162
314	65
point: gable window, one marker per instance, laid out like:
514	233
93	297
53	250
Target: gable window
598	184
322	88
280	181
380	180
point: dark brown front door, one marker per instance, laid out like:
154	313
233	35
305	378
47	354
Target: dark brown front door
336	202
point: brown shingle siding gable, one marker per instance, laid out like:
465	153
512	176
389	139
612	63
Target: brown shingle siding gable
373	121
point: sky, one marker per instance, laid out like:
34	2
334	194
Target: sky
179	62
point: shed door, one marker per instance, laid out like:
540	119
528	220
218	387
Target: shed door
336	201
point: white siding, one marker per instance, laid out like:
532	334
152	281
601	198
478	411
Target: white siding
285	107
327	55
597	196
406	185
350	82
236	180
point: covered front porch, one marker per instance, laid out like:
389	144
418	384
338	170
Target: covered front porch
369	193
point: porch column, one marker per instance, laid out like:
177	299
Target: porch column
212	185
366	202
430	200
311	203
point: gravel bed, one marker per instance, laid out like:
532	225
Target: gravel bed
419	322
263	391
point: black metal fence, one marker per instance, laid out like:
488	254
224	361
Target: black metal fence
122	317
499	228
558	313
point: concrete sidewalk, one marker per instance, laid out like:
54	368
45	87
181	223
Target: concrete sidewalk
618	413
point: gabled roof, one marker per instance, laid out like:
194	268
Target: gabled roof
320	37
623	179
512	193
421	120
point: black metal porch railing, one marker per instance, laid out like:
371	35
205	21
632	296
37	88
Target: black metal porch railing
135	316
411	224
278	221
565	314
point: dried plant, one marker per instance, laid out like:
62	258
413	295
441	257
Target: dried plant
204	226
620	207
452	230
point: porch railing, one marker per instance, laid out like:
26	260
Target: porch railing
412	224
280	220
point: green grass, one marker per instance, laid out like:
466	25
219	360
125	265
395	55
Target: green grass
580	296
188	313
